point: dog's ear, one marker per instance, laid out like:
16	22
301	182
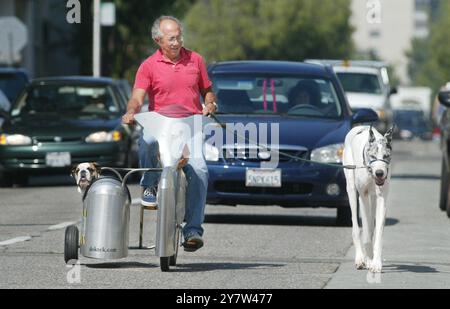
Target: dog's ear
97	167
372	136
73	171
389	135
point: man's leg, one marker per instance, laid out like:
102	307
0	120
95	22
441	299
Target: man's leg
197	184
148	158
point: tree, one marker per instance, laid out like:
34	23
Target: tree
430	57
129	42
277	29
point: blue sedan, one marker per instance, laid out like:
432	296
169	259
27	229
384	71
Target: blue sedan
279	122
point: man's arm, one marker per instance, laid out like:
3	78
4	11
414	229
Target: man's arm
134	105
210	101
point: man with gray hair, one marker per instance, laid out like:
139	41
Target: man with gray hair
174	76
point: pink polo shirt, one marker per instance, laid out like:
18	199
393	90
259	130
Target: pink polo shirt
167	83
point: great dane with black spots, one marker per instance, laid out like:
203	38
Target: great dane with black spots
370	152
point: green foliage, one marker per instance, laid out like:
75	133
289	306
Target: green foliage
418	56
132	38
430	57
276	29
129	42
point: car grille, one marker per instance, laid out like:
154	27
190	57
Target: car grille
231	155
39	161
240	187
54	139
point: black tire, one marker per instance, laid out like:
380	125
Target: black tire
448	210
164	263
20	180
443	200
6	180
71	243
344	216
173	258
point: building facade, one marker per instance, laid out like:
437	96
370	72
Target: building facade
385	29
50	43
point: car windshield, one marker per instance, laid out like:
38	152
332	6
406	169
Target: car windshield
12	84
291	96
360	82
67	101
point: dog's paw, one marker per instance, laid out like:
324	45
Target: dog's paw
375	266
360	262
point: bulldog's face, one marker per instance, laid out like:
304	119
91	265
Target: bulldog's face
85	173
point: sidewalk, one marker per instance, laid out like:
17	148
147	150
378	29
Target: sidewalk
416	240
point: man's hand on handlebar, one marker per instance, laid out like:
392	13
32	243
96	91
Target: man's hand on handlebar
210	108
128	118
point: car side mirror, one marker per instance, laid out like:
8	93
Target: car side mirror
393	90
365	115
444	98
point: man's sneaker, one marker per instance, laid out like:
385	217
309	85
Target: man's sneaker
193	243
149	197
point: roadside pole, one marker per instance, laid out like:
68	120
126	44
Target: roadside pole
97	39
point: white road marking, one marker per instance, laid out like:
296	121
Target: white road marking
15	240
60	226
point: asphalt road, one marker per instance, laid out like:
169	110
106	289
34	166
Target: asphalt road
245	246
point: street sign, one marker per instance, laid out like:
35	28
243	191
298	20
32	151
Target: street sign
108	14
13	38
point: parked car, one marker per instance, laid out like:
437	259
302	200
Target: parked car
412	123
258	94
12	82
59	122
437	110
5	106
125	88
444	201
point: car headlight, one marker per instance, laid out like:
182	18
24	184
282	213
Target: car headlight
103	137
14	139
211	153
328	154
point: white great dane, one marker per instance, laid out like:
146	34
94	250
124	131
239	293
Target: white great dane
370	152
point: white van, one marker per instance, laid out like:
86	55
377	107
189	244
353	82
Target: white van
366	84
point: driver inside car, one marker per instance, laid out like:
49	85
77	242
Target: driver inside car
305	92
307	95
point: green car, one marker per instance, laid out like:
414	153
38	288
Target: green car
57	123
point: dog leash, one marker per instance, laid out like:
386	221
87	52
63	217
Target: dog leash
349	167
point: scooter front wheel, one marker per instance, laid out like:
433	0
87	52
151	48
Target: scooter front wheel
71	243
173	258
164	262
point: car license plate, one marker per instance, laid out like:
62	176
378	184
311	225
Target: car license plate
58	159
263	178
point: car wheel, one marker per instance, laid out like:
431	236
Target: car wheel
443	200
5	180
448	210
344	216
20	180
